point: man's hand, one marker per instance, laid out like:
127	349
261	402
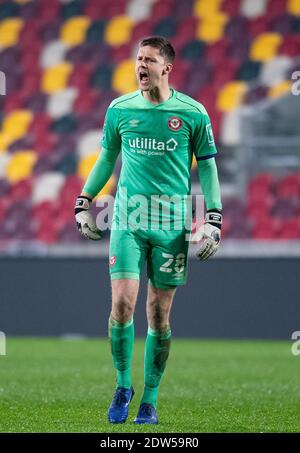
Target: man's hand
210	233
85	222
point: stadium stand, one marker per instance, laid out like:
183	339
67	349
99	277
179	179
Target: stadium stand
66	60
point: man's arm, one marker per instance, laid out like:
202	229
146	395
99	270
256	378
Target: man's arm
211	231
98	177
208	177
100	173
205	150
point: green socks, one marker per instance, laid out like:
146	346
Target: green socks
121	340
156	354
157	349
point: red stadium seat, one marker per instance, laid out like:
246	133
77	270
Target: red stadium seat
22	190
289	187
260	208
231	7
162	9
290	46
267	228
290	229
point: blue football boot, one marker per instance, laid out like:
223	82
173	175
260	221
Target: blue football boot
118	410
146	415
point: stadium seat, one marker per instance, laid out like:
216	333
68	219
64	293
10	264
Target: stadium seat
44	164
36	103
231	7
267	228
280	89
73	31
20	166
285	208
56	77
70	189
86	163
249	70
283	24
61	102
236	29
231	96
290	229
88	142
255	94
211	29
70	9
48	12
64	124
162	9
22	190
9	9
275	70
279	7
25	142
262	183
47	187
96	30
230	132
258	26
290	45
124	79
253	8
9	31
53	53
138	11
293	7
118	31
166	27
289	187
193	50
17	123
203	9
102	77
296	25
4	159
265	46
121	53
50	31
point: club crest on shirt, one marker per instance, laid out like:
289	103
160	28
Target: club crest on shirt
174	123
112	260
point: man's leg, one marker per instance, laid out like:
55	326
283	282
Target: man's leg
121	333
158	341
121	327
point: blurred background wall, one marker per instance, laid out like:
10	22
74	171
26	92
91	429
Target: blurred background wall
61	64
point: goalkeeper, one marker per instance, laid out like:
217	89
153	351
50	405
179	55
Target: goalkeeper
158	130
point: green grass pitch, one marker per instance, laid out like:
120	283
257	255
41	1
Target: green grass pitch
56	385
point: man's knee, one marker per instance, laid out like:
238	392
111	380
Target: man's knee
123	308
158	307
124	294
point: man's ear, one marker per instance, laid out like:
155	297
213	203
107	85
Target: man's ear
167	69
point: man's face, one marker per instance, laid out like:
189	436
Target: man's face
150	68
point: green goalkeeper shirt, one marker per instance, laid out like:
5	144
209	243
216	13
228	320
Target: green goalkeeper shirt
157	143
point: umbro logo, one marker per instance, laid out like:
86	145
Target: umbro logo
134	123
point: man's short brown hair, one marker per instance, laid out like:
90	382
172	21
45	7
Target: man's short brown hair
166	49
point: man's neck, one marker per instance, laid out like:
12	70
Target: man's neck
157	96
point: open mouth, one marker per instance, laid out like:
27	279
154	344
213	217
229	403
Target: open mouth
144	77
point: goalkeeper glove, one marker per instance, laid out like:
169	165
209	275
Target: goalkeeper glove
85	222
210	233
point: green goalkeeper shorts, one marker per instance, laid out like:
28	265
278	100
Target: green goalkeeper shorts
166	254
